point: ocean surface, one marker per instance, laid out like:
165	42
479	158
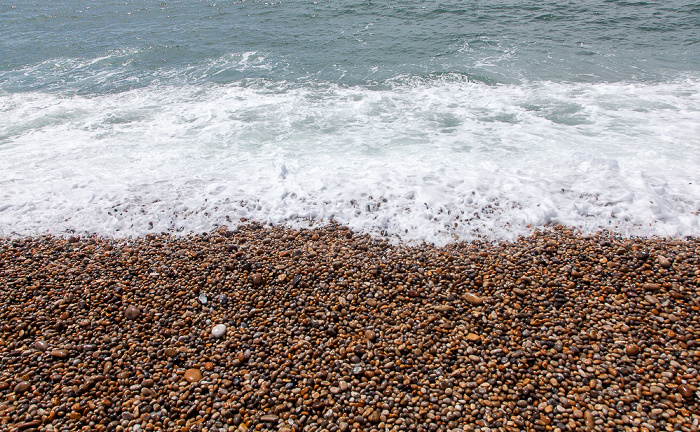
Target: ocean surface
424	121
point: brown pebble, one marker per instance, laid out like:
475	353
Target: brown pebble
590	421
132	312
209	366
473	299
651	286
632	350
269	418
370	335
519	292
687	391
22	387
257	279
663	261
193	375
41	345
444	308
473	337
29	425
170	352
59	353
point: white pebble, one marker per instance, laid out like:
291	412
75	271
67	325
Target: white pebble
218	330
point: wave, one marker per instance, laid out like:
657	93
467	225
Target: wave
435	158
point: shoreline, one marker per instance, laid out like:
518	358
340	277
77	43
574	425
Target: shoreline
330	329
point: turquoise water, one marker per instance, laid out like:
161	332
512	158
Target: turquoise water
116	46
504	115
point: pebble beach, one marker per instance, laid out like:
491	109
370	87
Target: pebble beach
260	328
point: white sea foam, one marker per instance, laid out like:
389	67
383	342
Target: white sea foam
418	160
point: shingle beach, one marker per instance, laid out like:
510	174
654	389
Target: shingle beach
259	328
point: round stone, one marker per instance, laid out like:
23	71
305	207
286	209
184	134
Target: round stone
203	298
257	279
193	375
632	350
41	345
370	335
170	352
132	312
218	330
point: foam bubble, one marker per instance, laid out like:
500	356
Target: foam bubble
426	160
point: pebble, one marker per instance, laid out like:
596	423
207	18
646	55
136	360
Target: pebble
41	345
632	350
193	375
22	387
219	330
686	391
132	312
473	299
536	334
589	420
59	353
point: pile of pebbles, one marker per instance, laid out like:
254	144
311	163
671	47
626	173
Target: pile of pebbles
263	328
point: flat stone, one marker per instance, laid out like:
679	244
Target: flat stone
59	353
29	425
444	308
473	299
22	387
473	337
651	287
170	352
590	421
193	375
519	292
663	261
651	299
269	418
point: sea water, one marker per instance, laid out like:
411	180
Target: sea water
423	121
